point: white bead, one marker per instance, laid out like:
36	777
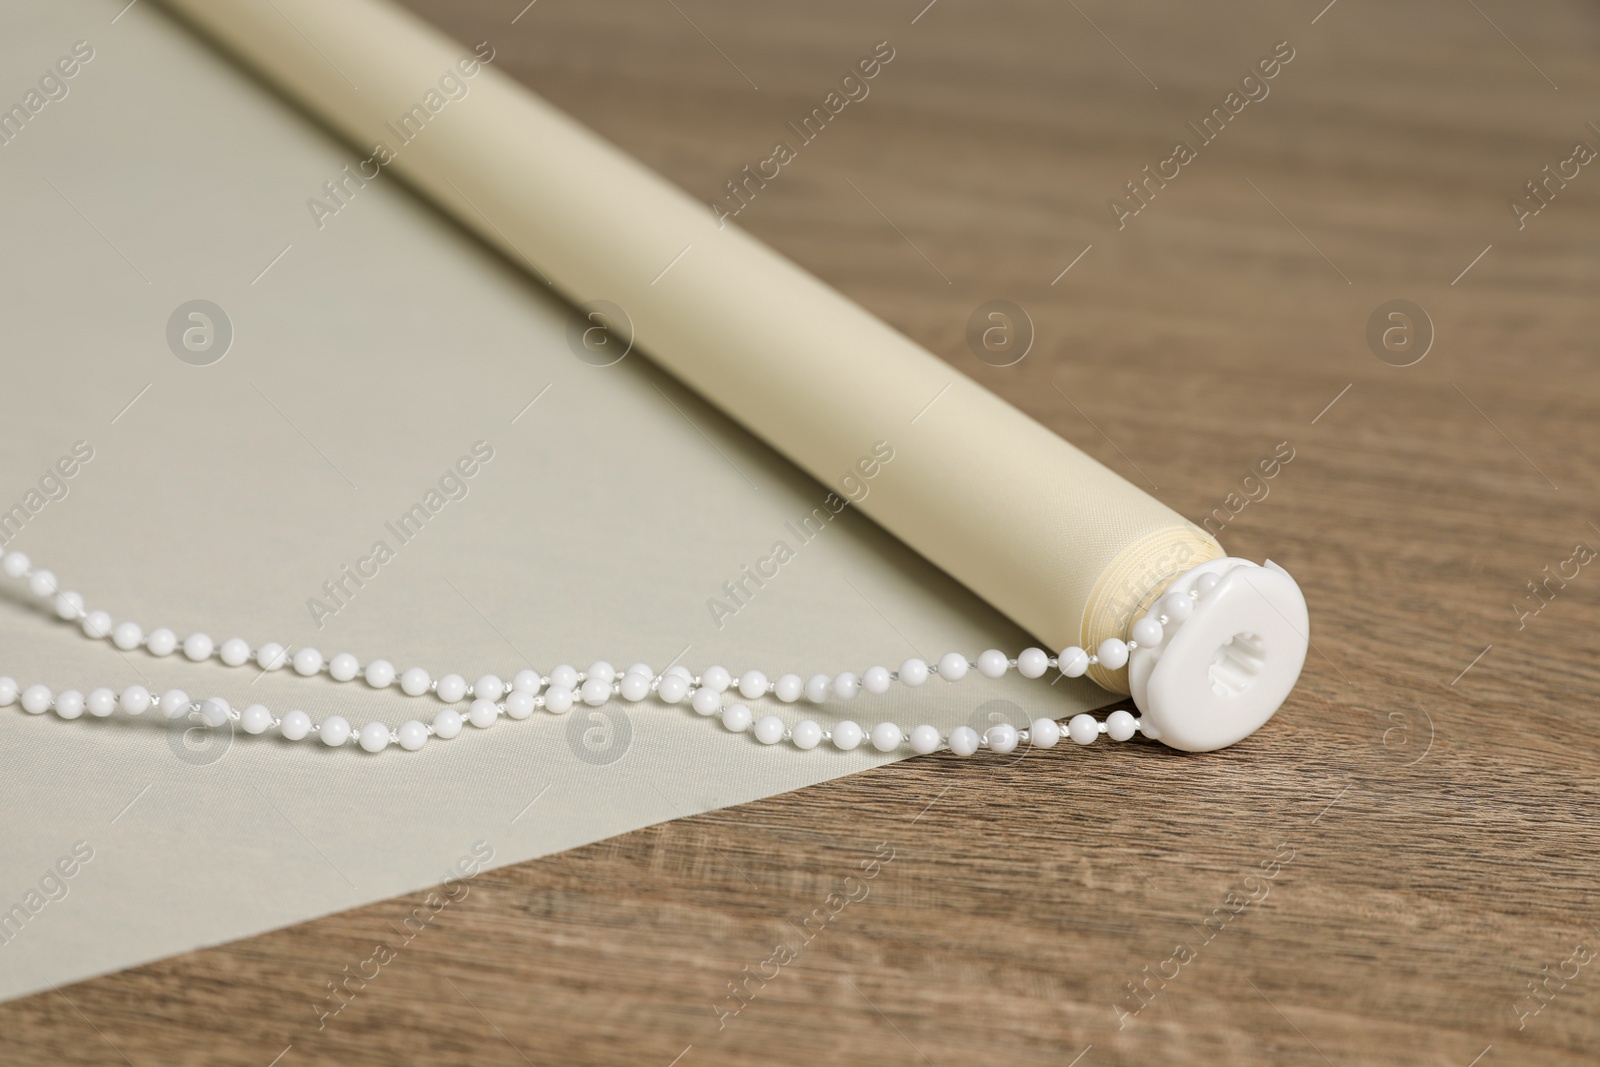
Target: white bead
255	719
925	739
1073	661
788	688
379	674
214	712
335	731
1032	662
1044	733
716	679
567	675
595	692
482	713
519	705
1147	632
451	688
1083	729
680	671
558	699
528	681
641	668
876	680
886	737
963	740
175	703
135	700
235	652
447	723
752	684
768	729
952	666
100	703
272	656
847	736
1176	606
806	734
993	663
736	717
374	737
490	687
602	670
308	661
161	642
673	688
1113	654
817	688
414	681
36	699
69	606
42	583
1120	725
127	636
8	692
198	647
413	735
295	725
635	687
1205	583
15	564
343	667
846	685
1002	738
913	672
706	701
69	704
96	624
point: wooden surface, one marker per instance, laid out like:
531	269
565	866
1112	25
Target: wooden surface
1416	839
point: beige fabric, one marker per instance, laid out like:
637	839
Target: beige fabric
1021	517
369	356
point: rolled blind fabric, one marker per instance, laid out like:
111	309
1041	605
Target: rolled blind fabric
1060	544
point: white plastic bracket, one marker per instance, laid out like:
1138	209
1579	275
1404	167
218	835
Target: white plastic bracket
1222	672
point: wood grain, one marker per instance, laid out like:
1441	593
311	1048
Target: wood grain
1408	845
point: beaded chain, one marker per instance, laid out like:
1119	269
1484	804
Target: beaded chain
565	687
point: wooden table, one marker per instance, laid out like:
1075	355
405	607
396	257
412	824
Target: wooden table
1379	875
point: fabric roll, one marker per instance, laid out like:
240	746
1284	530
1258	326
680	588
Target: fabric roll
1060	544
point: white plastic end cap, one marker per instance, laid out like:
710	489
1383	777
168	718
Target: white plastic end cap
1221	673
